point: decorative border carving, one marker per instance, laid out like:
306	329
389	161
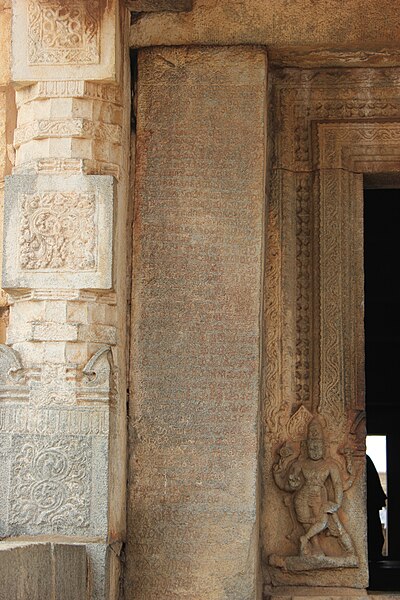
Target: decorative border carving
300	99
59	128
334	125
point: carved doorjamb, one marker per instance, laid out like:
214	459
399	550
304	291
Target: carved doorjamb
329	128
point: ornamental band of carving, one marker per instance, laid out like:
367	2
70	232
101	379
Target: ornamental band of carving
63	34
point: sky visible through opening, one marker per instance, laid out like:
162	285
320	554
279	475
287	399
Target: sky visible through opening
376	450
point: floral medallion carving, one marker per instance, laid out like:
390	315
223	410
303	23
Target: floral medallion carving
57	231
51	484
63	32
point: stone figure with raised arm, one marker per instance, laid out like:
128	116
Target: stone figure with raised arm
315	482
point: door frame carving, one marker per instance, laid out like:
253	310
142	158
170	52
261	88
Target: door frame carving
328	128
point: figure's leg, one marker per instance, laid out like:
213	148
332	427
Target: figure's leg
344	537
310	533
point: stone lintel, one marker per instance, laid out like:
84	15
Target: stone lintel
159	5
367	30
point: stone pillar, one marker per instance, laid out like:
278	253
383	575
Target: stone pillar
198	247
62	371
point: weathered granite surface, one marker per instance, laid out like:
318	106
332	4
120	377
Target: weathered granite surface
198	229
336	32
38	571
58	231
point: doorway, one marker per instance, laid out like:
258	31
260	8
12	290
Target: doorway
382	360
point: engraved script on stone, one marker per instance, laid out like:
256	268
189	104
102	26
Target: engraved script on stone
57	231
63	33
316	484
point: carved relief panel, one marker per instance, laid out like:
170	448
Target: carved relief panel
58	231
54	428
65	40
330	132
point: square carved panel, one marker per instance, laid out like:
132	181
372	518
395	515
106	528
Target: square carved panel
64	40
63	33
58	232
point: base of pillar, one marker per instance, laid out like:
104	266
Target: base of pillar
359	596
318	593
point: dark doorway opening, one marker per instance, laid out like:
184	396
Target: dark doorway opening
382	369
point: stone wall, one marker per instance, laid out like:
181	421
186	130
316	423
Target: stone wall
227	384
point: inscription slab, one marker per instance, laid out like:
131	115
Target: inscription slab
197	254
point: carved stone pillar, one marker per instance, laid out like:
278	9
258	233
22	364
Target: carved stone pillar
62	370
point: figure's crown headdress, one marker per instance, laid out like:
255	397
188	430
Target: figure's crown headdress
315	429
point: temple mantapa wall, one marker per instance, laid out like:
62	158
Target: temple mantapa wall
182	402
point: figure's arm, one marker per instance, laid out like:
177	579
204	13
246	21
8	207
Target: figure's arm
288	479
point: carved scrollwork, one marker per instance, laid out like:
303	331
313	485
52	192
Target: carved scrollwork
50	484
12	375
58	231
97	377
63	33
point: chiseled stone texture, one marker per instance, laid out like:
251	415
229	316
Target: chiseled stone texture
58	232
53	470
5	28
64	40
315	26
198	229
38	571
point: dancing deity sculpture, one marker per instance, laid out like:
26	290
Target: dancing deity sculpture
315	482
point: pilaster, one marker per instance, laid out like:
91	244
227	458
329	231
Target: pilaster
62	407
